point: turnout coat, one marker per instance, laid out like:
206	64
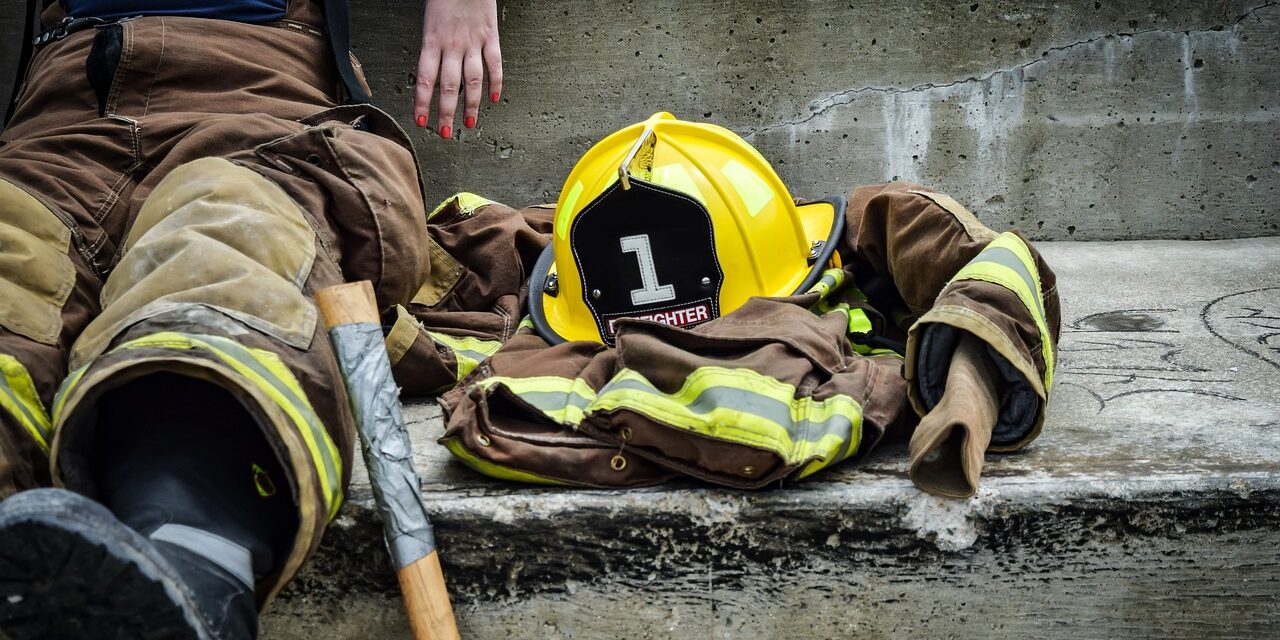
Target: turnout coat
779	388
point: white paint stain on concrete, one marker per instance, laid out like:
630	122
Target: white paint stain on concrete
951	525
908	123
1190	101
1109	59
994	109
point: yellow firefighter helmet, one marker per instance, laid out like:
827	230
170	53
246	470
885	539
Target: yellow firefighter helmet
675	222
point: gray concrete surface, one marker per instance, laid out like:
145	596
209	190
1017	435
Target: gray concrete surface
1149	508
1069	120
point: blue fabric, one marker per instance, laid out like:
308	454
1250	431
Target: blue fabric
238	10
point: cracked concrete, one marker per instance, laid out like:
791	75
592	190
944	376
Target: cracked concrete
822	105
1068	120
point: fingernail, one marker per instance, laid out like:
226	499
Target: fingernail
493	97
446	132
470	122
422	121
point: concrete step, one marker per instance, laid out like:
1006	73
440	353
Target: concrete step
1070	120
1149	508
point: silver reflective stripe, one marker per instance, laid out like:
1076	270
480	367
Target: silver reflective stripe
553	400
1007	258
828	281
770	409
211	546
468	353
463	352
245	357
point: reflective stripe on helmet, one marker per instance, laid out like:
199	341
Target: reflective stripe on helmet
468	351
567	209
676	177
268	374
18	396
750	187
1007	262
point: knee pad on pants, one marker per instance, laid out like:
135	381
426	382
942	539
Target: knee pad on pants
214	234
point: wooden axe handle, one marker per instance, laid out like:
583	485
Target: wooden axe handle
426	599
348	304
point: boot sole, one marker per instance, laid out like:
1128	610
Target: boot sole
69	569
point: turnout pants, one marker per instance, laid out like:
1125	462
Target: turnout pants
172	192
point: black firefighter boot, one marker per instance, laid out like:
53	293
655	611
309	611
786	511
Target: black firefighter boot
189	521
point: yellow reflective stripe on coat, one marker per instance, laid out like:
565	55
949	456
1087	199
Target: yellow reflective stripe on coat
18	396
60	398
270	375
746	407
858	323
731	405
467	203
495	470
1007	261
563	400
468	351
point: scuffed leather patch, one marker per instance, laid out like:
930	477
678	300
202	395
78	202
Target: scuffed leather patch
36	274
970	222
446	271
218	235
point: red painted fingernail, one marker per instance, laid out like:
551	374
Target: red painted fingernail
422	121
493	97
446	132
470	122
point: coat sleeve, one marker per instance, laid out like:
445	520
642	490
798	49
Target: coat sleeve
937	271
472	301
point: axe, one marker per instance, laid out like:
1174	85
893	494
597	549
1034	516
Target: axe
351	316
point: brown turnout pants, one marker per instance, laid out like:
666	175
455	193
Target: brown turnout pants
175	212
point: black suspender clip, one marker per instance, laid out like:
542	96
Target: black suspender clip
66	27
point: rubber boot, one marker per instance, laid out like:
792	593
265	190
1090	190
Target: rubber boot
190	518
948	446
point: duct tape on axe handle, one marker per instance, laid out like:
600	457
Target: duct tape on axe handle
388	452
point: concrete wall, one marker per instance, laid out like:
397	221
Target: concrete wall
1068	120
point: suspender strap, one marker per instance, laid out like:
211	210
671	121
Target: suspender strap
335	18
24	57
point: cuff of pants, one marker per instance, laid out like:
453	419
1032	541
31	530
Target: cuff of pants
257	378
930	345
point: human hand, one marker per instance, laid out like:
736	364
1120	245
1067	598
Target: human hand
459	43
